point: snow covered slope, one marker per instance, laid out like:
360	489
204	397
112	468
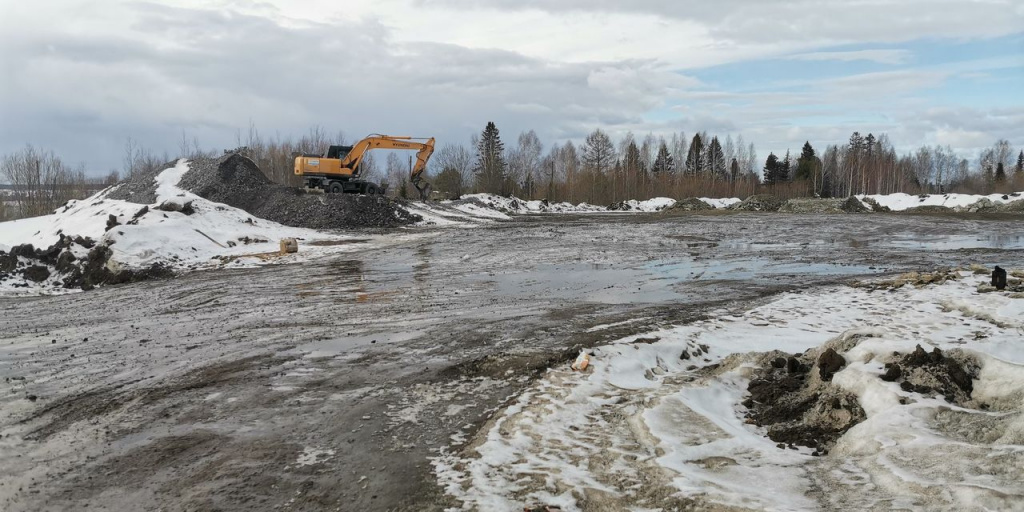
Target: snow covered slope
651	429
900	201
146	235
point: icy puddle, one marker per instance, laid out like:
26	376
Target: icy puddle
658	423
656	281
957	242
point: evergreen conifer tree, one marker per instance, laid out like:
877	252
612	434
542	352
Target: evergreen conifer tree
716	159
694	158
663	163
1000	173
490	166
806	164
771	169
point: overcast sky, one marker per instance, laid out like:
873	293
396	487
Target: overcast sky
79	77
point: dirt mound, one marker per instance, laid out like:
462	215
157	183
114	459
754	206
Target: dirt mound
236	181
139	187
759	203
59	265
793	396
807	205
1012	207
875	206
690	204
928	209
933	373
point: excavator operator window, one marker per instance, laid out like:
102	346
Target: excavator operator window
338	152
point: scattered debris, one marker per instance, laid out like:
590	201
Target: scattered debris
289	246
912	278
582	362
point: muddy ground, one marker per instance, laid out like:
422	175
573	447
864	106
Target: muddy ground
328	385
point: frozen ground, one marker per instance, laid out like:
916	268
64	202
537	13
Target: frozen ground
337	383
647	429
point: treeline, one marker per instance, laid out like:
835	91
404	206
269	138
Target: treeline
599	170
603	171
40	182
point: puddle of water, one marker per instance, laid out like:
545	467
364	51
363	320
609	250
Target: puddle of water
656	281
935	243
956	242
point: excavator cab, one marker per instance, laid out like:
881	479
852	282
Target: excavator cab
339	152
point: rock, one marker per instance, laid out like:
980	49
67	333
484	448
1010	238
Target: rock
174	205
793	365
135	218
289	246
892	372
37	273
999	278
24	250
65	262
112	222
829	362
8	262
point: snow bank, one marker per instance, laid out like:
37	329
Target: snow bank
900	201
146	235
721	202
656	424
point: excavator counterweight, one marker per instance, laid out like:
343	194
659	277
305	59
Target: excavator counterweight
338	171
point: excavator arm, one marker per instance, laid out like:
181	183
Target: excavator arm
377	141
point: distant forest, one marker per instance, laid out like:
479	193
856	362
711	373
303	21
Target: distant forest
600	170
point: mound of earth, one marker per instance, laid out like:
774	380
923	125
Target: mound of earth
759	203
933	373
874	205
793	396
139	187
236	181
1012	207
72	262
848	205
931	208
690	204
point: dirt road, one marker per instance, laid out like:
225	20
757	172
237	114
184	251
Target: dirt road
329	385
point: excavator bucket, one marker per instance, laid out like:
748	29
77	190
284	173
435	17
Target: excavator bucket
423	190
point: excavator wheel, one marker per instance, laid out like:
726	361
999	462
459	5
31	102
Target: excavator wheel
335	188
371	189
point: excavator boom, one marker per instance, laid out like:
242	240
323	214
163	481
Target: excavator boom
339	170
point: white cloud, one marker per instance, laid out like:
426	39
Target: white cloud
79	76
880	56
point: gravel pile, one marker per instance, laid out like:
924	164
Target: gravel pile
759	203
848	205
139	187
236	181
690	204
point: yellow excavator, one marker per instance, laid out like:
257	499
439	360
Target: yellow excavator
338	171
